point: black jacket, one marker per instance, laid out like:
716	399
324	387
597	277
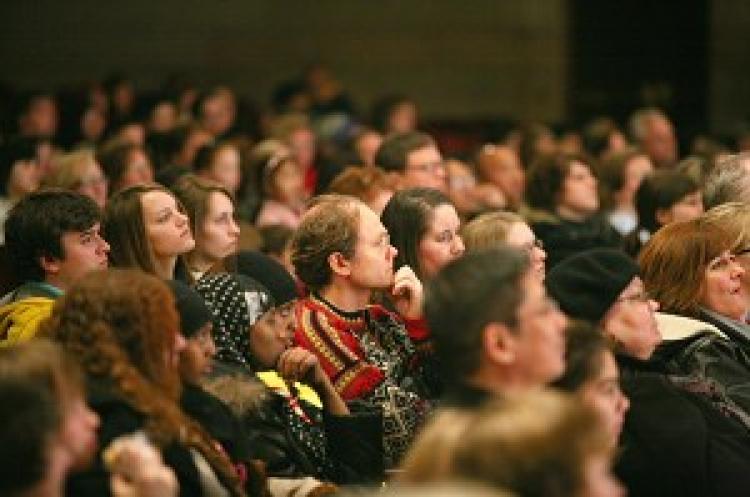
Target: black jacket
339	449
117	418
677	443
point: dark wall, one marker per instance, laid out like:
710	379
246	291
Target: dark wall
476	59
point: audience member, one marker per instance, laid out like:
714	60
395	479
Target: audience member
620	175
210	209
148	229
124	164
501	229
653	132
495	330
79	172
341	252
414	159
371	185
500	166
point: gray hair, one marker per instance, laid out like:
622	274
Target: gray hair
639	120
729	181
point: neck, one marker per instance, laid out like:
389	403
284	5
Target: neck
56	282
346	298
570	214
165	267
198	262
500	382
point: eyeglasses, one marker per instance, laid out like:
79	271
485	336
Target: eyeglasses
722	262
641	296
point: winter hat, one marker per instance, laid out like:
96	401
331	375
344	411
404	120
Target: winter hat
236	302
269	273
193	312
587	284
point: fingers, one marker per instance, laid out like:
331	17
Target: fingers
295	363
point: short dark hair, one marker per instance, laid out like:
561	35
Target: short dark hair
585	346
395	149
36	224
466	295
661	190
407	217
546	177
331	225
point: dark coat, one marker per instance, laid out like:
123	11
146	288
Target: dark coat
563	238
677	443
117	418
339	449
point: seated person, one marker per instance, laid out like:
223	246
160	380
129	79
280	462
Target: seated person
123	328
53	240
296	429
47	431
342	253
674	440
537	444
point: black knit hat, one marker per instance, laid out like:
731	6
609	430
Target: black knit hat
193	312
236	302
587	284
269	273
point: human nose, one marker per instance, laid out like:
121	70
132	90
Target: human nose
653	304
737	270
234	228
393	251
92	418
458	245
103	246
623	402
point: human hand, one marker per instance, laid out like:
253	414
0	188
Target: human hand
298	364
137	469
407	293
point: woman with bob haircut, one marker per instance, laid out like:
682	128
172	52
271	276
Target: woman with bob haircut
500	229
147	228
211	211
690	270
423	226
734	218
562	193
540	444
123	328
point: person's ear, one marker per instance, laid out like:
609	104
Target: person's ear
499	344
49	264
339	264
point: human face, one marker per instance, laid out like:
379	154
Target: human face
722	290
225	168
94	184
521	236
218	235
660	142
598	480
371	267
77	434
289	184
196	359
504	171
272	334
631	321
687	208
403	118
425	168
167	227
25	176
367	146
578	197
539	339
82	252
603	393
138	170
441	243
302	145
